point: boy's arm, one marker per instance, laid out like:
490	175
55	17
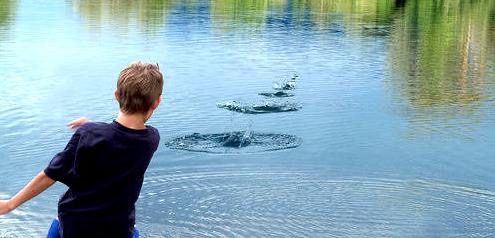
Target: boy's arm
39	184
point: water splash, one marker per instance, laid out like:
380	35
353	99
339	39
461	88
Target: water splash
234	142
247	136
278	94
257	108
286	84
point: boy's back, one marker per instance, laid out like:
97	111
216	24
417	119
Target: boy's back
103	165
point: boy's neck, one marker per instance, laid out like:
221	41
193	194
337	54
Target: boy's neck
132	121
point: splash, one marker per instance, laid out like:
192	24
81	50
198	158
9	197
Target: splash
286	84
278	94
234	142
258	108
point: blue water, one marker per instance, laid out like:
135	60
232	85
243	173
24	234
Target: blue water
397	112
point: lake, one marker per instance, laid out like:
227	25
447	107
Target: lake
391	134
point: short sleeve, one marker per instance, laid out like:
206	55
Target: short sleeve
59	168
156	138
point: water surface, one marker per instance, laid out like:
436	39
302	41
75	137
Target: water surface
397	107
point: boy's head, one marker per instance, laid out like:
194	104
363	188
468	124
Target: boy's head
139	88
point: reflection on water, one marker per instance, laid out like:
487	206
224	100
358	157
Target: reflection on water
370	12
7	14
442	58
148	15
373	70
261	12
249	13
438	60
234	14
7	11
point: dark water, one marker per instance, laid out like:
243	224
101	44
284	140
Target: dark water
396	119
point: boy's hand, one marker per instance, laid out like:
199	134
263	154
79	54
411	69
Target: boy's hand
78	122
5	207
37	185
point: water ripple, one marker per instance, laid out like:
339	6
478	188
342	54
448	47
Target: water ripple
234	142
252	202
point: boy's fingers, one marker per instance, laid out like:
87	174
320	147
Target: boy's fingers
78	122
72	124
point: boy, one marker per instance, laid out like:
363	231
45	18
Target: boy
104	164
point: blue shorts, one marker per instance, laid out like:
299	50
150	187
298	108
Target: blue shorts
54	233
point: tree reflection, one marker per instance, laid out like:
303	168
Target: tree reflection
357	11
235	14
7	13
438	52
148	15
239	13
438	58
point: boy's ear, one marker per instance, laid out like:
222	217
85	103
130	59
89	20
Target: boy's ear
157	102
116	95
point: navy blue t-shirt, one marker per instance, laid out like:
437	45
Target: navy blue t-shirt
103	165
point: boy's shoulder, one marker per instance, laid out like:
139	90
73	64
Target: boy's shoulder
93	124
102	128
153	129
93	127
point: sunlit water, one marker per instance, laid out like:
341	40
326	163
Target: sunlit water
395	119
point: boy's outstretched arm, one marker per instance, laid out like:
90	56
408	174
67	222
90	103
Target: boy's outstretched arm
39	184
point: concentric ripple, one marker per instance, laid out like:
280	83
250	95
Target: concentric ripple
234	142
262	107
275	202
